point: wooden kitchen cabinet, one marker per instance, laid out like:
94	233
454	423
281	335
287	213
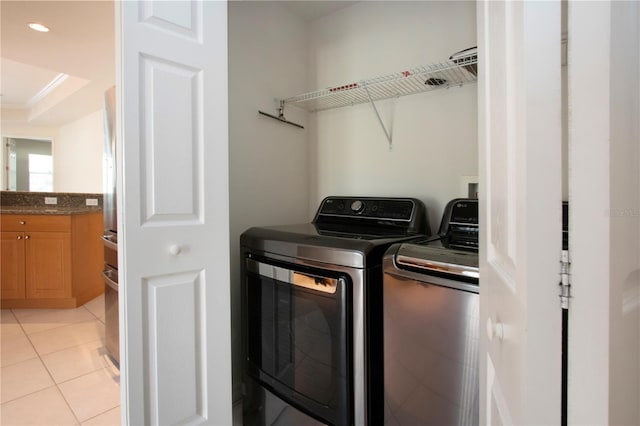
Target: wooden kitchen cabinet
47	265
50	261
12	265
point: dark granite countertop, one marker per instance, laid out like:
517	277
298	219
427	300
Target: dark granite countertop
20	202
48	210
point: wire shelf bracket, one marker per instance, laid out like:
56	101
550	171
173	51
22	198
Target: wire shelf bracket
384	129
459	70
280	117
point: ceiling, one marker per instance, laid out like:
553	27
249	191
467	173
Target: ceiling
50	79
314	9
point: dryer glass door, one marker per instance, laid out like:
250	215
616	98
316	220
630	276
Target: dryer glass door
299	339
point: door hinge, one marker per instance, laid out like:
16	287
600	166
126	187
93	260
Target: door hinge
565	284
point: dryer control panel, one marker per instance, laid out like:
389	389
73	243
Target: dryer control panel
375	208
408	214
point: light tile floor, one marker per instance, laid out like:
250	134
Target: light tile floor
54	369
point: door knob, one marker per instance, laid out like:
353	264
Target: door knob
26	237
495	330
175	249
19	237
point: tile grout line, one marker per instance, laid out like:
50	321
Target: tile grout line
57	328
37	355
73	413
57	385
68	404
100	414
95	318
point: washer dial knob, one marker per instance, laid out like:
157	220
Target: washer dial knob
357	206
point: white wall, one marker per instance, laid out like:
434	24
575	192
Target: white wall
624	351
268	164
77	155
434	134
19	130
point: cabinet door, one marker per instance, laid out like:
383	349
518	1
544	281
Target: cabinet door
12	265
48	265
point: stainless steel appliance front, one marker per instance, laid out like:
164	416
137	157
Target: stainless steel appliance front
111	309
111	313
110	236
431	334
431	324
312	312
300	314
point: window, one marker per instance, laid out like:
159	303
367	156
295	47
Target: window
40	173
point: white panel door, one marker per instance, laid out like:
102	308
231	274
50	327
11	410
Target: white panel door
174	250
519	46
604	184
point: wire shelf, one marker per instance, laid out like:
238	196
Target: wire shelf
457	71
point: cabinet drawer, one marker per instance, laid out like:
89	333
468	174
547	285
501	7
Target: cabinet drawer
43	223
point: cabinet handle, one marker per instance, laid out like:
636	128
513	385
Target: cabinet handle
22	222
26	237
19	237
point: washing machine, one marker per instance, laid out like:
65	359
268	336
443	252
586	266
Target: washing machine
431	324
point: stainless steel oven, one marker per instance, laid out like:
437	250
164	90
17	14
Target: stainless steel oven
110	236
111	309
312	313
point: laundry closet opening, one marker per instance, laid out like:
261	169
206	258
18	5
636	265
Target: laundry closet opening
280	173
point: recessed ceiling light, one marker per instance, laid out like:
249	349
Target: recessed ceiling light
38	27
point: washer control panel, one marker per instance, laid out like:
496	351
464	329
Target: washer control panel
401	209
357	206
